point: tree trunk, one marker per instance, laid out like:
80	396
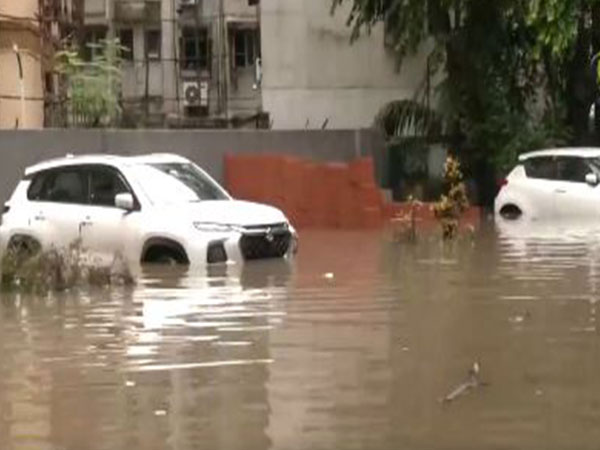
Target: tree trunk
593	70
580	88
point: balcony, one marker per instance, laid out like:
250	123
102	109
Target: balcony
137	11
95	8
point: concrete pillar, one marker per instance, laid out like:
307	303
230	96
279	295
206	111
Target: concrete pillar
171	82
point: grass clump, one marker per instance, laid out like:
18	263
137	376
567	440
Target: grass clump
34	270
405	226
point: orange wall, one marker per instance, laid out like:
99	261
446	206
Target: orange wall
323	195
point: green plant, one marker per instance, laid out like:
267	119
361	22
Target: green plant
94	87
405	226
453	203
507	70
401	118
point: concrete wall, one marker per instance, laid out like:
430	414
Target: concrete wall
21	8
239	8
95	11
312	73
19	149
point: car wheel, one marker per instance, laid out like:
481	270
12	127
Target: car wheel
19	250
166	259
23	247
511	212
164	255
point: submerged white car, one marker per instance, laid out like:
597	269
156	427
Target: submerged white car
557	184
158	208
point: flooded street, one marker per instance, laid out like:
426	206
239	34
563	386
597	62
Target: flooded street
353	346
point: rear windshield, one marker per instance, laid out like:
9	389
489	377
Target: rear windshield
562	168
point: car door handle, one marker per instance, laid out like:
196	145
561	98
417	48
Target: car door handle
560	191
39	217
84	224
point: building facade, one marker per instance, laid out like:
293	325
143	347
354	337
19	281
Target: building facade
190	63
284	64
21	88
314	78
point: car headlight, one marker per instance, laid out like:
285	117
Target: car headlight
210	227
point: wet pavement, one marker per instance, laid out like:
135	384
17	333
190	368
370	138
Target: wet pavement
354	346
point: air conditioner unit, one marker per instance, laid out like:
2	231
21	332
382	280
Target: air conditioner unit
195	93
188	2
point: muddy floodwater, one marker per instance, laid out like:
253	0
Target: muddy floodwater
353	346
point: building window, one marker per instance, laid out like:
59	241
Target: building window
126	41
195	49
246	46
153	42
92	42
49	83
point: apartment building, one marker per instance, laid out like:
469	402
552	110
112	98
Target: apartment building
21	89
254	63
30	33
284	64
191	63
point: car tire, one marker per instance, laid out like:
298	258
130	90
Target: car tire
23	247
510	212
166	259
165	254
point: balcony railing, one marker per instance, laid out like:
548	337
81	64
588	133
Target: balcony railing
137	10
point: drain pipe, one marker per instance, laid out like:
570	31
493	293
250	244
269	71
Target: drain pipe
21	85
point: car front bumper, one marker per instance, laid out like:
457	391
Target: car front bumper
247	245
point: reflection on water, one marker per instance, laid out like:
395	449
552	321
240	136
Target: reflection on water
351	346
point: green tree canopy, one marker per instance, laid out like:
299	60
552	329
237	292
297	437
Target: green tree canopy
515	72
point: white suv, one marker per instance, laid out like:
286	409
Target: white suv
158	208
560	183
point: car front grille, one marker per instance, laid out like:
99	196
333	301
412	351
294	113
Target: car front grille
265	241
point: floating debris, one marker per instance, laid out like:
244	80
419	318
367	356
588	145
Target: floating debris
473	381
520	318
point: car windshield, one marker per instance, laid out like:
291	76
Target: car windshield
178	183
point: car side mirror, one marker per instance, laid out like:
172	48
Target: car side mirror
124	200
592	179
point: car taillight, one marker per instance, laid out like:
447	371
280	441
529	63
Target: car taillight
501	183
4	211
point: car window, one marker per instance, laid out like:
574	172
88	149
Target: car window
543	167
105	184
176	183
37	185
192	178
60	185
572	169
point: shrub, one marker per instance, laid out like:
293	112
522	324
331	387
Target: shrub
453	202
